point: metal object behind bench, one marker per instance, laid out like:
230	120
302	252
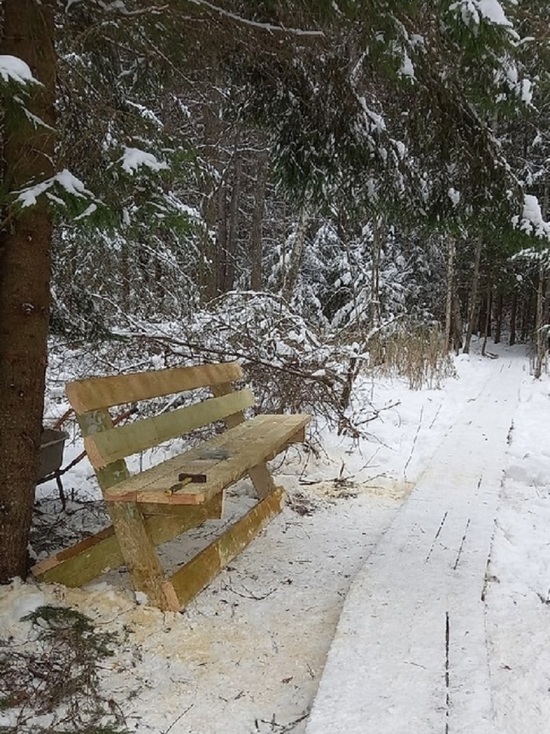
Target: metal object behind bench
51	451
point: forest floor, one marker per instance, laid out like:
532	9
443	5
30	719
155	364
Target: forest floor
248	654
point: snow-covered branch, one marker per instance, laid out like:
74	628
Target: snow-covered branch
269	27
532	221
13	69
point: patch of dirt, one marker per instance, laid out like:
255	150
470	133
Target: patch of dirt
302	504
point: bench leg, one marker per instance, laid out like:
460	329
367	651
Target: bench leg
261	476
140	556
88	559
134	540
197	573
262	480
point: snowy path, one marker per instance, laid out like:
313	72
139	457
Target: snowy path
409	655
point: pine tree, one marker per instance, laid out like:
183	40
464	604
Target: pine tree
25	254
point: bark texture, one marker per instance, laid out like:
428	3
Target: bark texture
472	311
25	251
292	271
256	276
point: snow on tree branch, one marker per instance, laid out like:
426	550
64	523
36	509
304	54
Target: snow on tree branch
478	10
118	6
255	24
13	69
134	158
531	221
64	179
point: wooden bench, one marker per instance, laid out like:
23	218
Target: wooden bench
162	502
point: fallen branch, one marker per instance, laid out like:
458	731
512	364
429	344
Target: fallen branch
324	379
269	27
179	718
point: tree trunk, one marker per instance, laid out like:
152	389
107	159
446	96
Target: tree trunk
498	317
542	307
296	255
473	298
481	317
513	316
233	225
489	315
257	222
487	323
25	262
126	279
457	322
378	234
207	275
527	322
541	335
208	264
221	239
451	266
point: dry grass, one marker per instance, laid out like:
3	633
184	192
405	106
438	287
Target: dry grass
417	353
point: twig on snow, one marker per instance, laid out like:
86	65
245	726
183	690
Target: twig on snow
179	718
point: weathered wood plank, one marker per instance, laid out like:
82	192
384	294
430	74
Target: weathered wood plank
213	509
97	421
108	446
104	392
88	559
197	574
247	445
226	388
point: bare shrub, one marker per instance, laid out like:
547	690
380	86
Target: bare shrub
288	364
291	366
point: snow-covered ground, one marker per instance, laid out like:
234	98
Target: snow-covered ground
248	654
518	593
410	649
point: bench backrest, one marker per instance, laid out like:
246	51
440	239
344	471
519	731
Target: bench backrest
107	444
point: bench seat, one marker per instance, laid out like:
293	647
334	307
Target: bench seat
224	459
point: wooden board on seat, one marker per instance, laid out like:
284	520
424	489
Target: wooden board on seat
247	445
